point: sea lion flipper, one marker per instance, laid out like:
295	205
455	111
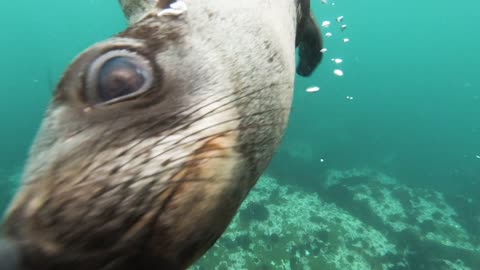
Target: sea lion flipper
310	46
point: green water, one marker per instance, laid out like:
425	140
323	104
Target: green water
412	69
408	104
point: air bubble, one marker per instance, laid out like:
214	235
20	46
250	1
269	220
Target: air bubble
313	89
337	60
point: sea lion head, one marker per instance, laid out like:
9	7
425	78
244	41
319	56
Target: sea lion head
154	137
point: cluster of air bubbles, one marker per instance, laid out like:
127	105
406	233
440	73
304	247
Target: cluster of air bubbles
343	26
331	27
327	25
326	2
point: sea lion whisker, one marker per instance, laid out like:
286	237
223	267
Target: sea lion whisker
181	142
217	149
231	120
96	146
119	133
107	211
230	102
136	180
207	137
200	106
191	162
160	142
138	203
214	111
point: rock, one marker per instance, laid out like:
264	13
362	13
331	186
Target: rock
420	222
361	219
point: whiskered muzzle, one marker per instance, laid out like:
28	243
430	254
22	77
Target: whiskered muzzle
115	205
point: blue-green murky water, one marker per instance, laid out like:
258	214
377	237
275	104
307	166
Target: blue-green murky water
408	107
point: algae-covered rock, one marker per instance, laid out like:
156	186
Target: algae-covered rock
423	225
362	219
303	232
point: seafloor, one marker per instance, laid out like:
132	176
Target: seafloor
360	219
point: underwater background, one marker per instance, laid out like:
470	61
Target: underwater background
379	168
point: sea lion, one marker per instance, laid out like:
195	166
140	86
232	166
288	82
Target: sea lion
154	137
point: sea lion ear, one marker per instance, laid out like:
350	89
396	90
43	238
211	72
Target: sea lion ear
310	44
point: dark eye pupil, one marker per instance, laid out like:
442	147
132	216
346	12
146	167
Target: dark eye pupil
119	77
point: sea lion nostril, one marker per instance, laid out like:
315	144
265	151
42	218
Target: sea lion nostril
118	77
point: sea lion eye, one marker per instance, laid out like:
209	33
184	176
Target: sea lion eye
117	76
